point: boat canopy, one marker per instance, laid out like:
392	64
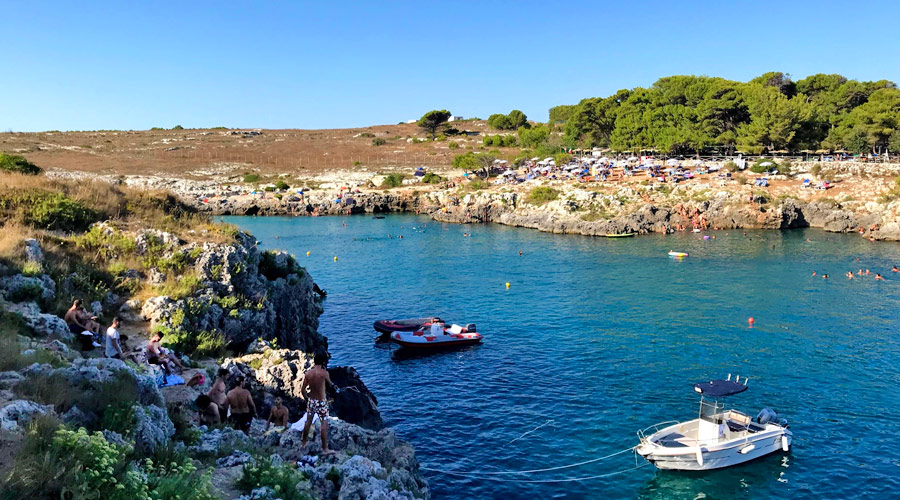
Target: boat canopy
720	388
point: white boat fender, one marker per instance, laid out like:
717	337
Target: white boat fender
748	449
785	443
700	456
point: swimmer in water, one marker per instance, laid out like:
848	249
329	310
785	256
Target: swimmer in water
867	272
849	275
390	236
879	277
895	270
520	253
401	236
824	276
814	273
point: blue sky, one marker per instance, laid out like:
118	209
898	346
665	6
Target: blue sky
98	65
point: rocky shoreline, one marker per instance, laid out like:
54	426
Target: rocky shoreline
635	208
263	306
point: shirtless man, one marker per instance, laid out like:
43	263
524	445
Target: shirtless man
217	392
278	415
79	321
242	408
315	380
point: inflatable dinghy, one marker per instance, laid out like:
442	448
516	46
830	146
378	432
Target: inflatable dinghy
437	336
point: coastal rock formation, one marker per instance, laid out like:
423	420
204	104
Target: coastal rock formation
152	429
243	293
370	455
279	373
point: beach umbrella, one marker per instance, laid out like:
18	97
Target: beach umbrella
766	164
509	172
672	162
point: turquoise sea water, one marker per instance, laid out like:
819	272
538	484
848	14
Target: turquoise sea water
598	338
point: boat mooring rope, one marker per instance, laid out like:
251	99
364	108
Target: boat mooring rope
532	430
566	480
482	474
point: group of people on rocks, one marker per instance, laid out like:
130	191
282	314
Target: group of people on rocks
221	404
236	406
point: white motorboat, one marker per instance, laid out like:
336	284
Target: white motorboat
719	438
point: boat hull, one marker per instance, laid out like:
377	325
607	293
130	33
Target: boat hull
715	456
427	342
388	326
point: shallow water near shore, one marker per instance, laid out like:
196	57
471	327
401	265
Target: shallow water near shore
597	338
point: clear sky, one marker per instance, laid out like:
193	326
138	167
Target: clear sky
270	64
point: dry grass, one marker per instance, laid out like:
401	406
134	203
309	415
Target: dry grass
12	238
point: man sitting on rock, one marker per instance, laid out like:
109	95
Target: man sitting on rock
77	324
207	411
113	349
278	415
158	355
315	380
240	402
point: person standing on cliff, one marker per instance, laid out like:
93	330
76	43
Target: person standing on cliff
315	380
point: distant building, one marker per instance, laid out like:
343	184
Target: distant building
454	118
411	121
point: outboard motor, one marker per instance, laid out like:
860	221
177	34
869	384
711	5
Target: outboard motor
767	415
470	327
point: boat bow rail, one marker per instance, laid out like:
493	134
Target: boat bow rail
643	434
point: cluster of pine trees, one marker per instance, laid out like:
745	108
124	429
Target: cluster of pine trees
688	114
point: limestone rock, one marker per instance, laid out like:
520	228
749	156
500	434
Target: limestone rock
43	324
9	379
18	413
131	310
17	287
33	251
153	428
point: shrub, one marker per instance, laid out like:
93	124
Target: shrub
453	145
431	178
541	195
119	418
815	170
283	479
785	167
378	141
250	178
18	164
180	288
47	210
730	166
197	344
477	184
272	272
441	137
393	180
759	168
177	127
269	189
281	185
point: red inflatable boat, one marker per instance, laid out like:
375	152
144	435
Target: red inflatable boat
389	326
437	336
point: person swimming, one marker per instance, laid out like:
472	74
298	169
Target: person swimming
895	270
824	276
814	273
849	275
879	277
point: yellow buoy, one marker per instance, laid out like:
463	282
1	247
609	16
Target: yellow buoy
507	284
307	254
335	259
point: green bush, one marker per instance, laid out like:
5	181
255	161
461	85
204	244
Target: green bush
367	134
393	180
56	462
272	272
47	210
431	178
453	145
477	184
730	166
541	195
759	168
108	243
18	164
815	170
269	189
378	141
785	167
25	293
283	479
251	178
281	185
119	417
177	127
196	343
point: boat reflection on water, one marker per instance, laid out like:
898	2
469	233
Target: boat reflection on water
402	354
734	482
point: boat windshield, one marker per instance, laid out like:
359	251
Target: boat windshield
711	410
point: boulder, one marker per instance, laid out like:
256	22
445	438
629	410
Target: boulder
131	311
17	287
42	324
33	251
153	428
354	402
18	413
9	379
213	440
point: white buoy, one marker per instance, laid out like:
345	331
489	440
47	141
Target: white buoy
785	444
748	449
